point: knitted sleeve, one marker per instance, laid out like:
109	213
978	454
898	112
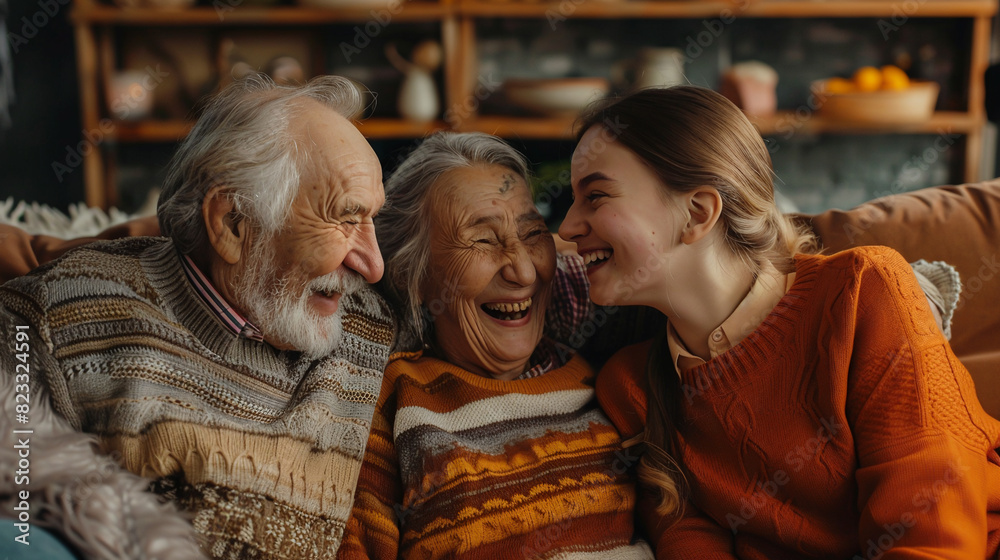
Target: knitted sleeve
620	389
695	535
622	394
23	309
373	528
921	436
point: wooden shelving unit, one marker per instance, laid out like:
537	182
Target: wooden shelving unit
95	24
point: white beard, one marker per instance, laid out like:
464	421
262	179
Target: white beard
285	317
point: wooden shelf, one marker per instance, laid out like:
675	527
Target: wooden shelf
97	22
784	122
707	9
540	128
176	130
521	127
414	10
151	131
399	128
781	122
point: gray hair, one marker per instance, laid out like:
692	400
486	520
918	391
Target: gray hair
241	140
403	225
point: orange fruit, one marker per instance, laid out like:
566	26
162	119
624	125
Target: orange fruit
839	85
894	78
868	78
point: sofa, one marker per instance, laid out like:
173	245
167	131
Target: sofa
958	224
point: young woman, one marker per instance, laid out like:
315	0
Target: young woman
796	405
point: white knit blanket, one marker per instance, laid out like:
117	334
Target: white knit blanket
39	219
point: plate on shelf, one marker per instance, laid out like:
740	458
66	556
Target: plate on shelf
555	97
911	105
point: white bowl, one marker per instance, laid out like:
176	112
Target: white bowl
555	97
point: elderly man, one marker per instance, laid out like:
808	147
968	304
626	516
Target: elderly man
237	362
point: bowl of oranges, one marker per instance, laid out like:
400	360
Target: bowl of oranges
877	95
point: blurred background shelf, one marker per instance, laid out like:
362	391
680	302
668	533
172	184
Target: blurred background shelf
784	122
226	14
176	130
485	42
711	9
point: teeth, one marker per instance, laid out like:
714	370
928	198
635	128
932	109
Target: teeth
598	255
509	307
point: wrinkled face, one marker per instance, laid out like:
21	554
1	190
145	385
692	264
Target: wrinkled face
292	285
490	273
625	227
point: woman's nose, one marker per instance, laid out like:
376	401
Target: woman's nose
572	225
520	269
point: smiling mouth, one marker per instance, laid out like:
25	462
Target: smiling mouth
507	311
597	257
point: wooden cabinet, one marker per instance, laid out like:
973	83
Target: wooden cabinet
97	25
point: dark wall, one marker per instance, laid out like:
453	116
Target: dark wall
46	111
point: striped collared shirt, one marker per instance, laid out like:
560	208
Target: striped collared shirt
226	314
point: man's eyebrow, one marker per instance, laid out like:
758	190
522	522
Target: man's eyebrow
351	208
595	176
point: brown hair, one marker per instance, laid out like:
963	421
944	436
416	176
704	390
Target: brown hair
691	137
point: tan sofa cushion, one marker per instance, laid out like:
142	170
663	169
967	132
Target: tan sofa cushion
958	224
21	252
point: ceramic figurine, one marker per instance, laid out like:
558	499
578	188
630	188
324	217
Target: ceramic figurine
418	96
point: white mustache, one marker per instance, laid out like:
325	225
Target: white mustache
342	282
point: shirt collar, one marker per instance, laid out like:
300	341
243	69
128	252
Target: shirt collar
770	286
548	355
217	304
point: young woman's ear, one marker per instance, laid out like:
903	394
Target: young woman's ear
703	207
225	227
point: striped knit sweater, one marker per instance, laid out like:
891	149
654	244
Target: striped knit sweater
263	447
463	466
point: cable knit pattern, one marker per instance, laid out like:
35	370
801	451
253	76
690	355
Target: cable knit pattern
843	427
462	466
263	447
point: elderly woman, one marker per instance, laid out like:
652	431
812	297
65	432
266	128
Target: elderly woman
487	441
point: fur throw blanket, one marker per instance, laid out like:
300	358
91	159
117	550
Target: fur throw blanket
82	495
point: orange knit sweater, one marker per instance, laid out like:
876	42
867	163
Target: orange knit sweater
842	427
463	466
